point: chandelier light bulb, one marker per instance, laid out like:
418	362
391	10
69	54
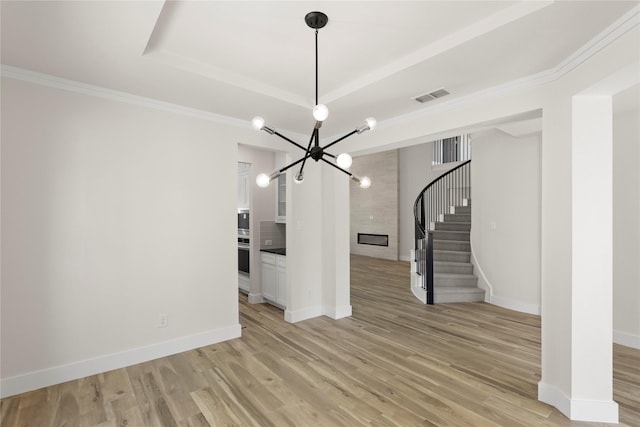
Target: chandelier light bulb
263	180
258	123
371	122
344	160
298	178
365	182
320	112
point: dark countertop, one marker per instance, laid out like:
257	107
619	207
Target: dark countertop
277	251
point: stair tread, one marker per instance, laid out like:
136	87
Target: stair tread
452	226
457	289
450	241
452	262
449	251
454	275
456	218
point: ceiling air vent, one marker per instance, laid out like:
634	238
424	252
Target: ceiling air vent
439	93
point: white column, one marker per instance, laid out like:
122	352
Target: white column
592	260
554	387
577	250
577	259
335	243
304	246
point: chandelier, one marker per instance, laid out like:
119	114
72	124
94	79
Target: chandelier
342	162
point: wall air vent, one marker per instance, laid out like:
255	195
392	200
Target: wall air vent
439	93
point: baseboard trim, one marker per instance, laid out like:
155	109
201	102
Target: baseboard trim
626	339
255	298
597	411
84	368
553	396
419	293
516	305
483	282
294	316
601	411
491	298
338	312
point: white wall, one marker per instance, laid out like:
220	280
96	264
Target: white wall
415	172
626	224
111	215
505	237
375	210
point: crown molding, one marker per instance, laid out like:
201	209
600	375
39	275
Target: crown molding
114	95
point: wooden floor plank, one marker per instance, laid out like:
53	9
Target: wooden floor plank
394	362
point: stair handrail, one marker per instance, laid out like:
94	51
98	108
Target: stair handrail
423	242
420	227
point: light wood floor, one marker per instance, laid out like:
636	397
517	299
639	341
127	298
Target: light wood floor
395	362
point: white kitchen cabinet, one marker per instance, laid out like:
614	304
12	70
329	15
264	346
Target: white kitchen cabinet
273	279
243	185
244	283
281	280
281	190
281	199
269	278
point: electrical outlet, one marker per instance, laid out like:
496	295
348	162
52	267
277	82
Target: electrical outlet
163	322
268	242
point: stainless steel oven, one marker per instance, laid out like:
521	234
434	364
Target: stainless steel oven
243	254
243	241
243	220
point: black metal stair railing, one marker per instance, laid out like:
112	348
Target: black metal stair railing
449	189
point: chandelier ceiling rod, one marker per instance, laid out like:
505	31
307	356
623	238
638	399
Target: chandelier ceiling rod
316	66
315	20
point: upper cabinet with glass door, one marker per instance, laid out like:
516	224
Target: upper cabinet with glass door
281	199
244	183
281	190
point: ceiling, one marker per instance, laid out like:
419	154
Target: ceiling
240	59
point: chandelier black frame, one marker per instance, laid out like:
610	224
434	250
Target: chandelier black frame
315	20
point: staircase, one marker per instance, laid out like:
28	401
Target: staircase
442	271
453	276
